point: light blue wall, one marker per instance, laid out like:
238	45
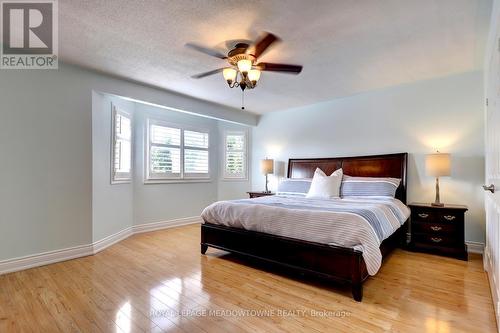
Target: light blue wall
46	164
445	114
163	202
112	205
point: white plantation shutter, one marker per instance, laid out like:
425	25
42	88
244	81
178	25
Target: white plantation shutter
121	146
165	160
195	161
196	139
195	153
165	135
176	153
235	157
164	152
235	163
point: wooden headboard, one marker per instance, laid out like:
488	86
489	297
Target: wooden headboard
390	165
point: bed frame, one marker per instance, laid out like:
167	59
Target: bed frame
339	264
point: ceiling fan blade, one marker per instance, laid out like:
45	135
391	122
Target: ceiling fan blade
262	44
284	68
202	75
206	50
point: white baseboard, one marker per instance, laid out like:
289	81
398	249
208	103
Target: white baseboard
45	258
41	259
147	227
475	247
111	240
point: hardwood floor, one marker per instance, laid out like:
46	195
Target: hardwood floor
160	282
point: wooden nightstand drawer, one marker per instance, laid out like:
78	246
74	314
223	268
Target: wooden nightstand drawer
423	215
433	228
450	217
441	240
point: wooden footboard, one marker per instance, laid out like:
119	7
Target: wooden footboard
338	264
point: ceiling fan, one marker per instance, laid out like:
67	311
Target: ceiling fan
244	70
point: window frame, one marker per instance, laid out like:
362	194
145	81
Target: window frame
120	177
244	175
183	177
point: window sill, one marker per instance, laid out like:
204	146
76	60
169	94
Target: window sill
234	179
119	182
176	181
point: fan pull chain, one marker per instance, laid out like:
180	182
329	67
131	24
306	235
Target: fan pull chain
243	100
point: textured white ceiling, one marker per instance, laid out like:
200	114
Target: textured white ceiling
346	47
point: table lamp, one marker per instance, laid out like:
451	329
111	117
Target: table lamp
267	167
438	165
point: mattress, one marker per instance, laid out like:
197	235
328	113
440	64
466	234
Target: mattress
358	223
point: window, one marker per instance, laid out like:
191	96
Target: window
164	152
235	155
121	147
175	152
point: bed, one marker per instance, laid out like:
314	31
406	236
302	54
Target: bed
314	255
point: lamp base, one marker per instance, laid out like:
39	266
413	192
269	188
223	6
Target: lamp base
437	202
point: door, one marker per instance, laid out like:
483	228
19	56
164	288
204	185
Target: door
492	162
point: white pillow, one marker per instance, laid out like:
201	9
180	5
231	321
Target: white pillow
325	187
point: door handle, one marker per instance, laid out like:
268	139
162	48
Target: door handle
490	188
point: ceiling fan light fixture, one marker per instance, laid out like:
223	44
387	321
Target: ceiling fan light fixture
244	66
254	76
229	74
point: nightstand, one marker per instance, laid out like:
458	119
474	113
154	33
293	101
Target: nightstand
438	230
259	194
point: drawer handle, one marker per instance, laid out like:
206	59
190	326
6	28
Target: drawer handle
449	217
436	228
436	239
423	215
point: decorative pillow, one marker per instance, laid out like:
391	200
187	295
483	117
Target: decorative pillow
369	187
325	187
298	187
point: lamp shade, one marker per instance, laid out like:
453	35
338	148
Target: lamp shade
244	65
254	75
438	165
229	74
267	166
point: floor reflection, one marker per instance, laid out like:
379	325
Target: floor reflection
123	320
433	325
173	301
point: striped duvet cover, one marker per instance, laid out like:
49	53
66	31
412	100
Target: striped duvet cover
359	223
